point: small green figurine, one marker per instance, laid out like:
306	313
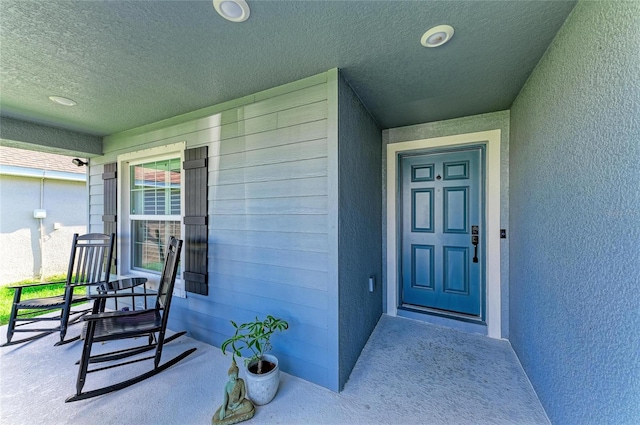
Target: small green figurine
235	406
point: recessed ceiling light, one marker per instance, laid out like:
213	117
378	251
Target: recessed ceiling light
64	101
232	10
437	36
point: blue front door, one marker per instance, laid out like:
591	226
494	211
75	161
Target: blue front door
442	231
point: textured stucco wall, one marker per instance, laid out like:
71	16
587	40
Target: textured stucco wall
575	219
65	202
359	232
491	121
27	135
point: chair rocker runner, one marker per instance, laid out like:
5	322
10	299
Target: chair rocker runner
119	325
89	264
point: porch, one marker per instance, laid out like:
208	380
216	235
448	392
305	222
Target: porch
409	372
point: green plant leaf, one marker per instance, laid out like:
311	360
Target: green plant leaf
253	336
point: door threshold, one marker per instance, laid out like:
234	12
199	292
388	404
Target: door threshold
469	324
443	313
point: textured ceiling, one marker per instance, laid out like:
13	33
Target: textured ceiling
130	63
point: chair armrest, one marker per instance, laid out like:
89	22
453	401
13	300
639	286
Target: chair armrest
75	285
28	285
108	314
122	295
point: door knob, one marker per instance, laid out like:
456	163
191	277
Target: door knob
475	239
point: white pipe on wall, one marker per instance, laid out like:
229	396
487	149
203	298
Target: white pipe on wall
41	231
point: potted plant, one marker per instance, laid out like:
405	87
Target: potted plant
263	373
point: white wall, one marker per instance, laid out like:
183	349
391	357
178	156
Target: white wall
20	254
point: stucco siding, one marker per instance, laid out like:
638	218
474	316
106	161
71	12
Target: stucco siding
29	135
575	261
359	231
21	255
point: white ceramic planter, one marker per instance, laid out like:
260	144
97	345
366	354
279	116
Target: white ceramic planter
261	389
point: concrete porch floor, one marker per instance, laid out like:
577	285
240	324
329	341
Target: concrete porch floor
408	373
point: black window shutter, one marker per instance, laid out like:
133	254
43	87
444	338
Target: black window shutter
195	220
110	182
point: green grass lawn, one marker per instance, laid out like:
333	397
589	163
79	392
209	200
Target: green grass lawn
6	295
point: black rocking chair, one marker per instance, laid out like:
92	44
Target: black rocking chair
89	264
118	325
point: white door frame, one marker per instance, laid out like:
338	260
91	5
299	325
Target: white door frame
491	139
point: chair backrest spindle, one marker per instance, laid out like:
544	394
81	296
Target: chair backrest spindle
91	257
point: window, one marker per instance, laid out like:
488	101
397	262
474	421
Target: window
154	211
150	209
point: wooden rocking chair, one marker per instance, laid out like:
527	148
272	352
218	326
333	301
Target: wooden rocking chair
89	264
118	325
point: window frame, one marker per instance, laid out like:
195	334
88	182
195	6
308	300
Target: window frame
124	222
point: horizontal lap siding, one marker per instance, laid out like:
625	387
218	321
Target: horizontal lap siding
316	242
289	223
272	206
280	137
307	168
303	186
303	260
268	226
272	155
269	273
96	199
309	362
267	219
